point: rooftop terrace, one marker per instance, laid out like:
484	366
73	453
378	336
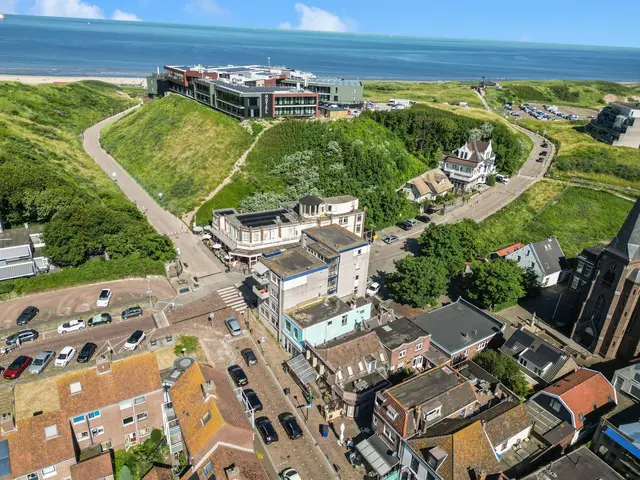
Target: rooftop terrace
293	262
335	237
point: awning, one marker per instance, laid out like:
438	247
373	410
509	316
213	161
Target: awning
622	441
377	454
302	369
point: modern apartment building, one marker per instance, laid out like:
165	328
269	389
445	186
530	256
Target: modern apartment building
247	236
617	124
329	89
331	261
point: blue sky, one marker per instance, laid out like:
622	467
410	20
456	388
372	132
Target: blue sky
559	21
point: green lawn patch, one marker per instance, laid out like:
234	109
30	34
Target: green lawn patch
177	147
436	92
579	217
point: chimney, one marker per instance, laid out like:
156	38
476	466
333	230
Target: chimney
208	389
7	423
232	472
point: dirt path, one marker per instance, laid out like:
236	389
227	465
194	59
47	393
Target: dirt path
236	166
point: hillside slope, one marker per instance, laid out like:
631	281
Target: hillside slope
46	178
177	147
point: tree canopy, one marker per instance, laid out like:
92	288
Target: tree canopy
452	244
417	281
505	369
497	284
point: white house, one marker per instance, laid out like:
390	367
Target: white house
470	165
546	258
428	186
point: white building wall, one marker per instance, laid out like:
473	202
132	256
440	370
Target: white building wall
353	271
526	258
304	289
509	444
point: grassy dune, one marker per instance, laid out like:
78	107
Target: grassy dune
177	147
439	92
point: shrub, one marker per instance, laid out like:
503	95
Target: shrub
491	180
188	342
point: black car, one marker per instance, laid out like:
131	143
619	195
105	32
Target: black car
27	315
249	356
268	433
290	425
87	352
543	153
540	159
252	398
238	375
405	225
99	319
23	335
132	312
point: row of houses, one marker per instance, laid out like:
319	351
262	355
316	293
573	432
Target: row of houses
67	426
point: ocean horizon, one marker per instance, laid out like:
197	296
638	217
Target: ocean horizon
51	46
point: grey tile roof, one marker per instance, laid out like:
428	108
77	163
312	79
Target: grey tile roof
537	351
396	333
627	243
458	325
17	270
551	256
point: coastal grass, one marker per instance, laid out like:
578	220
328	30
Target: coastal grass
177	147
579	217
581	157
578	93
425	92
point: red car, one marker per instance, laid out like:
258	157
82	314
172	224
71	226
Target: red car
18	366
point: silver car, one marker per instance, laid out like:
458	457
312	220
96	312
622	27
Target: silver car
41	361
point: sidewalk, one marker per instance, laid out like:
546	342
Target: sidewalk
335	454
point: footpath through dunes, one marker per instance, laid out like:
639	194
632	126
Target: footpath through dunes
177	147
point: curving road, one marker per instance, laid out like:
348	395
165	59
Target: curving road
193	253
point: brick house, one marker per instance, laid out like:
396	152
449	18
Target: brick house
459	330
405	344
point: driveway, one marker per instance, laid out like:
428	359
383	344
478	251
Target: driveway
193	253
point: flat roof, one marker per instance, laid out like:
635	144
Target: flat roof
246	89
293	262
14	237
400	331
324	310
263	219
426	386
335	237
578	465
458	325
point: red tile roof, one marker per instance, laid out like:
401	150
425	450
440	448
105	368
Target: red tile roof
95	468
583	390
503	252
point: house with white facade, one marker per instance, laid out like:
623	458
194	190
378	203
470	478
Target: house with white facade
470	165
545	258
428	186
246	236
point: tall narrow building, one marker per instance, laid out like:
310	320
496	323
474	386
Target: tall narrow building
607	324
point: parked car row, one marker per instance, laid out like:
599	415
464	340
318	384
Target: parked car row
38	364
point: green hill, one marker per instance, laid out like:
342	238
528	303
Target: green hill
177	147
46	178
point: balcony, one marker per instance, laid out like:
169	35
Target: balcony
262	294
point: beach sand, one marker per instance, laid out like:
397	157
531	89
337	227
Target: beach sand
34	79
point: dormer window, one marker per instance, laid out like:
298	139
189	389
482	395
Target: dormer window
50	432
391	413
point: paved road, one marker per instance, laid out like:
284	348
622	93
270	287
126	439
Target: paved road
192	251
482	206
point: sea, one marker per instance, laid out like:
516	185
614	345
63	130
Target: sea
32	45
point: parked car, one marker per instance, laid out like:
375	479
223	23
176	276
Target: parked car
99	319
267	431
27	315
41	361
424	218
134	340
502	178
249	356
289	474
252	398
18	366
406	225
543	153
389	239
72	326
290	425
87	352
233	326
104	298
540	159
131	312
65	356
23	336
544	145
238	375
8	348
372	290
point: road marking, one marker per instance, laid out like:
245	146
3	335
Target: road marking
233	298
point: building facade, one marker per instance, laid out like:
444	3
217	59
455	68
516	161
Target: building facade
617	124
428	186
470	165
545	258
21	252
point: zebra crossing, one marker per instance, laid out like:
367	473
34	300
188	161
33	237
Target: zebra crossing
233	298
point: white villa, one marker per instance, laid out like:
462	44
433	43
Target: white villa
470	165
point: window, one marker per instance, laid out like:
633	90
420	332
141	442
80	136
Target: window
205	418
125	404
350	370
555	404
580	267
142	416
361	366
414	465
48	472
50	432
106	445
82	435
581	417
208	468
609	399
287	325
388	432
329	323
127	421
78	419
339	375
482	345
32	476
391	413
75	387
97	431
609	276
145	431
418	346
94	414
139	400
379	400
435	413
344	320
598	309
402	353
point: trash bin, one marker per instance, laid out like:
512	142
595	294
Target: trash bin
324	430
286	390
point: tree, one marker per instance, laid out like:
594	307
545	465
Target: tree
417	281
125	473
530	281
505	369
491	180
496	284
452	244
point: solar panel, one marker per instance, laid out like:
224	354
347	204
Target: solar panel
5	465
261	219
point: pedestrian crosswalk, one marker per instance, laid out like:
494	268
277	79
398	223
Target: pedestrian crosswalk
233	298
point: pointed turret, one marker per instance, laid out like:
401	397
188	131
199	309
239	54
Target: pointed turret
627	243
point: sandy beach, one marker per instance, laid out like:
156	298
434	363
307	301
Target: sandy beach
35	79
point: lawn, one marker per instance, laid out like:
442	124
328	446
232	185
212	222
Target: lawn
582	157
177	147
579	217
588	94
436	92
